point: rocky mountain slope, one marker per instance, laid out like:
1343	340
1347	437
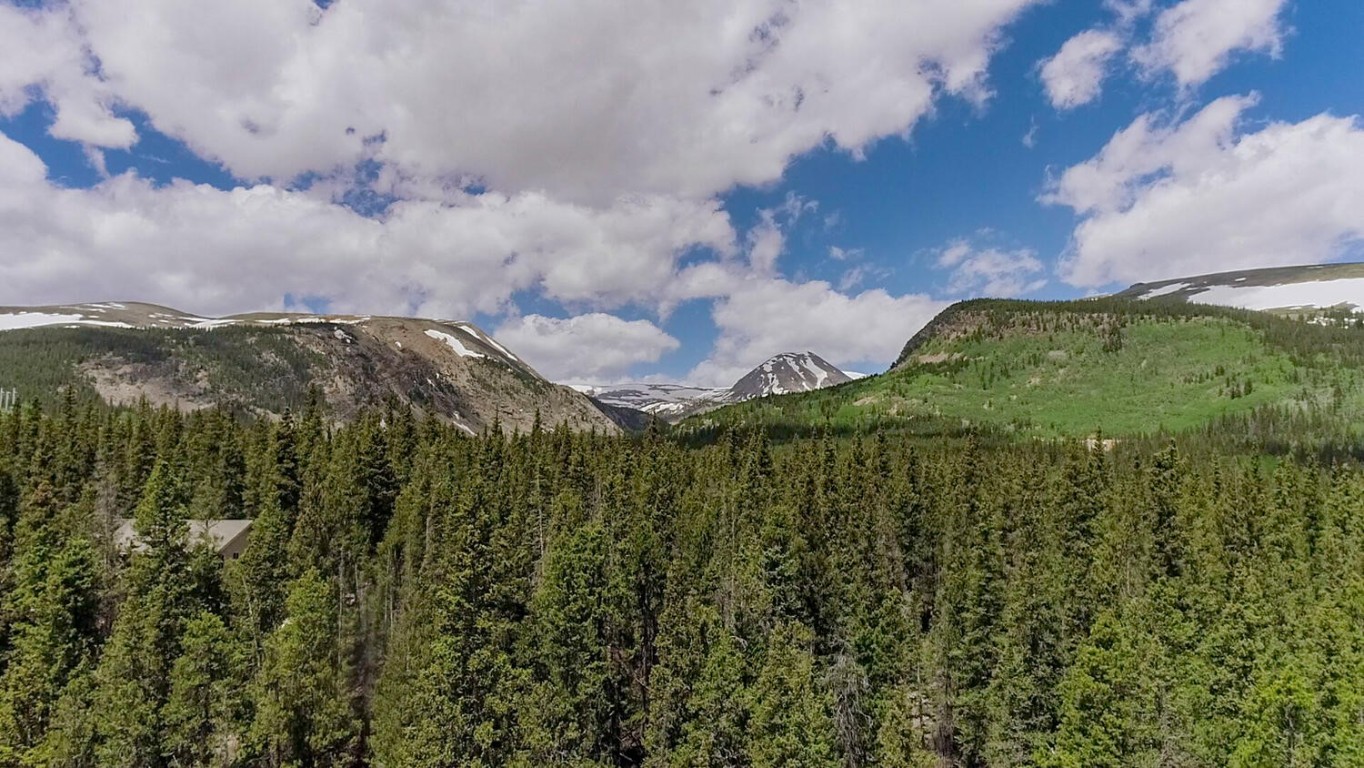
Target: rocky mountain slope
1115	365
267	362
783	374
1283	290
666	401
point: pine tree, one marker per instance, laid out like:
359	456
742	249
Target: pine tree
198	714
303	708
791	724
54	607
902	736
134	673
1106	709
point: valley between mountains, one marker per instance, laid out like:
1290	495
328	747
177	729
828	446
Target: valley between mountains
1165	356
1121	531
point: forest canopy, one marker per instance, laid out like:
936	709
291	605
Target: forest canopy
411	596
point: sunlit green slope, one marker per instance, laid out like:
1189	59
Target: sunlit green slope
1076	368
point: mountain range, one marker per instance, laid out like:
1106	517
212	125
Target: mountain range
266	363
1171	355
782	374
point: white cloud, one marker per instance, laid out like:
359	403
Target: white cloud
858	275
1195	39
1128	11
19	168
584	100
1145	149
1203	195
594	348
1074	76
761	317
44	55
1192	40
604	133
767	239
758	314
766	243
209	250
991	272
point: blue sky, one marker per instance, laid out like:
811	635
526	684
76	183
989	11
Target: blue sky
668	192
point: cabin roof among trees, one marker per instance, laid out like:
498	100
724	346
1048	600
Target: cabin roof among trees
219	533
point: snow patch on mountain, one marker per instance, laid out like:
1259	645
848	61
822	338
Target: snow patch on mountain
486	339
787	373
454	343
1165	290
784	374
1292	290
662	400
19	320
1315	295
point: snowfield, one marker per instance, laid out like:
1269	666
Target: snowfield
454	343
1318	295
1166	290
21	320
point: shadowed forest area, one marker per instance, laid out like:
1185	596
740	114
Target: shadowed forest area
411	596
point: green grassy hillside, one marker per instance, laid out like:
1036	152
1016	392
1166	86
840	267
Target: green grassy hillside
1049	369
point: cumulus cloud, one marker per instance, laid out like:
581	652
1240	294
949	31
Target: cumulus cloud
1191	40
761	317
44	56
573	150
582	100
1074	76
210	250
1194	40
989	271
594	348
1164	199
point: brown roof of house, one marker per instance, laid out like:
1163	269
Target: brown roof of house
218	533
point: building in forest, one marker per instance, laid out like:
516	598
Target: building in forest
227	537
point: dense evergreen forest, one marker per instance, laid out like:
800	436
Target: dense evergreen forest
411	596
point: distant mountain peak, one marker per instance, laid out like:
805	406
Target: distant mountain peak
782	374
786	373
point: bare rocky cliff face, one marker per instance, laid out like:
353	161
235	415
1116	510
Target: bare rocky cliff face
265	363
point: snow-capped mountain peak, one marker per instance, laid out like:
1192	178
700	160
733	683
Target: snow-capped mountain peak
783	374
786	373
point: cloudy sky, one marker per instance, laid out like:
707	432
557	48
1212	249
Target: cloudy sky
669	189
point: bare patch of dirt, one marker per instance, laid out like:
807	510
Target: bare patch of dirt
122	383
